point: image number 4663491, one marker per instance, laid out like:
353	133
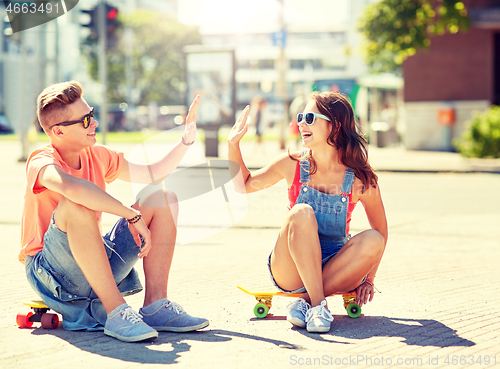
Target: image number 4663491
26	14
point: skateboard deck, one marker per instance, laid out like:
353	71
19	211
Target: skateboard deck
265	298
39	313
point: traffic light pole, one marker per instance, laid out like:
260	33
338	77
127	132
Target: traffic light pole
103	70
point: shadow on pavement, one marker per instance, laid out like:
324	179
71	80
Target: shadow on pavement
415	332
166	349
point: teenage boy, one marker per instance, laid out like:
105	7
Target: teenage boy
79	273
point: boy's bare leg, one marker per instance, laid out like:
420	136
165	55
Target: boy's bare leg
159	210
86	244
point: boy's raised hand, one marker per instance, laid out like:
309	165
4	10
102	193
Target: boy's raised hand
190	129
240	127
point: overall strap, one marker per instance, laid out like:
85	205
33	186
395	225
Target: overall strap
348	181
304	167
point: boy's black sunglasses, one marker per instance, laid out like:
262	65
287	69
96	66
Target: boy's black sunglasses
85	120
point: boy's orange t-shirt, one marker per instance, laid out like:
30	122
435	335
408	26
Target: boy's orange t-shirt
99	165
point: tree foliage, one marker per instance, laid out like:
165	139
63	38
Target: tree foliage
481	138
157	58
394	30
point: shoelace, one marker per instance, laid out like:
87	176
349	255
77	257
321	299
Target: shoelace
302	306
319	311
175	307
131	315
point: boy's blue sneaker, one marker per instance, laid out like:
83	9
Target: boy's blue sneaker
297	312
165	315
126	325
319	318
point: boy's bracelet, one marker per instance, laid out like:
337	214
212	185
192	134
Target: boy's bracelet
135	219
185	143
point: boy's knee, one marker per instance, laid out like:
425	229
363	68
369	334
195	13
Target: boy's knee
68	211
157	198
171	197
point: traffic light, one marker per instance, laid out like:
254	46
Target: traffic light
111	27
93	23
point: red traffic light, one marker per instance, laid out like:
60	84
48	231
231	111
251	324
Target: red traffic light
113	13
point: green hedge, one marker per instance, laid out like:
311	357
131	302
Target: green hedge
481	138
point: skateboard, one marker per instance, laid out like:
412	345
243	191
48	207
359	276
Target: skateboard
265	298
39	314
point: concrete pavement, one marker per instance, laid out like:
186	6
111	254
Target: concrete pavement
438	308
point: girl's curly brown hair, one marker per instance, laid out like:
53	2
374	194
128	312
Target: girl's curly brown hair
345	136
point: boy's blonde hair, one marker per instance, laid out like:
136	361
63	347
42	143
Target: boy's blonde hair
54	98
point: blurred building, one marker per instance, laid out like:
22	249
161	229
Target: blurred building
51	52
313	53
32	59
459	74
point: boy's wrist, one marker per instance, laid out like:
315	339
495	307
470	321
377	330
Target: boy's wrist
131	213
135	219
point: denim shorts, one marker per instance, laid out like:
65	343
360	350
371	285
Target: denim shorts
58	279
329	248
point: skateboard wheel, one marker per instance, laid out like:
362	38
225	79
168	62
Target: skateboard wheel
50	321
354	310
23	320
260	310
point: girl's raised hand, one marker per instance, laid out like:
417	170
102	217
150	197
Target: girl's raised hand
240	127
190	129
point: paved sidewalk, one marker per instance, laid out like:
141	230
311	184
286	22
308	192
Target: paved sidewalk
439	305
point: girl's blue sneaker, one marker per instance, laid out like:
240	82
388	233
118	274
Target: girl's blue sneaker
297	312
319	319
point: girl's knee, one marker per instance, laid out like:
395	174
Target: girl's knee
302	216
374	242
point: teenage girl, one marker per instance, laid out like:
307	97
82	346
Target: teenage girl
315	254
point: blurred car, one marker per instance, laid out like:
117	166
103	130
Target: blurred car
5	127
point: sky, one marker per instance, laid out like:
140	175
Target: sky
240	16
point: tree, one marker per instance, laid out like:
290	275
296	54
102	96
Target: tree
157	58
395	29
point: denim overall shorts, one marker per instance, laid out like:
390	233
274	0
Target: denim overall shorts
331	215
330	210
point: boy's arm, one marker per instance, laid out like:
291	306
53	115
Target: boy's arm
149	173
82	192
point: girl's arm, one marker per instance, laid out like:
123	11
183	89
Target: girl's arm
246	182
374	208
